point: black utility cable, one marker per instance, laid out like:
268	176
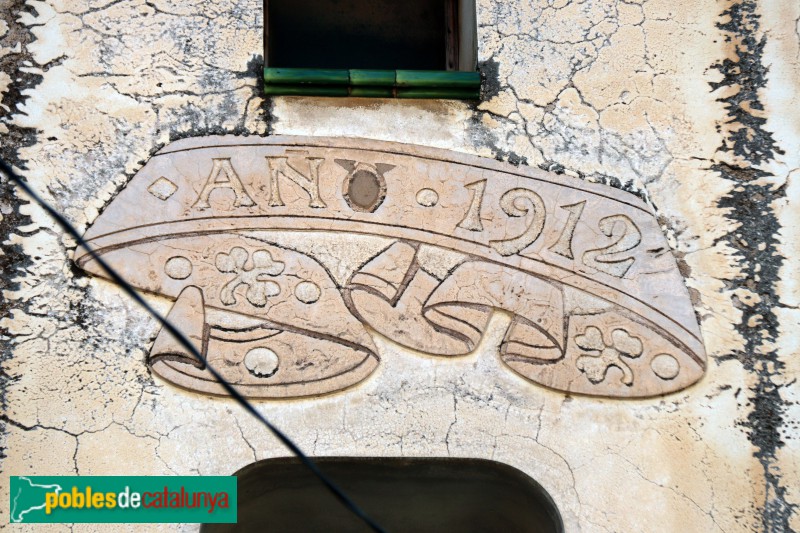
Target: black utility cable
311	465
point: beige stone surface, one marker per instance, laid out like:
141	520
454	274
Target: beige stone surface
290	330
692	108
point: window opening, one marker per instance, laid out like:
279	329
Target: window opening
379	48
401	494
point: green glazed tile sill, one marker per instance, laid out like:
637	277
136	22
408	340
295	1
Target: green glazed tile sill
298	76
435	78
306	90
372	83
383	78
439	92
372	92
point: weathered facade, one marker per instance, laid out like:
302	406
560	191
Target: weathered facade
690	110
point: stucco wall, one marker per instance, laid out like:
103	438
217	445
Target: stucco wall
693	105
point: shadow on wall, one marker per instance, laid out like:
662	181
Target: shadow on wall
400	494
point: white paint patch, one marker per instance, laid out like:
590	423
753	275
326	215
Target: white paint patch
261	362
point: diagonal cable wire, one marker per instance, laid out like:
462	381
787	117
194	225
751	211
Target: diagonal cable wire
229	388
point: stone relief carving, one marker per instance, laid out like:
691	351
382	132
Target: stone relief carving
596	301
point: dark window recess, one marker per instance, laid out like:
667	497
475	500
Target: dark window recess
401	494
383	48
357	34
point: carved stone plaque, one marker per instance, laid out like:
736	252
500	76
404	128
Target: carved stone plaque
597	303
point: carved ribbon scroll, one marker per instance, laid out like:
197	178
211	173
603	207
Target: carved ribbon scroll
596	301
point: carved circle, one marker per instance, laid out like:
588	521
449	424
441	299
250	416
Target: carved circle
307	292
665	366
261	362
178	267
427	197
364	190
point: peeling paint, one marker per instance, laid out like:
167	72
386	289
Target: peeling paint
747	149
13	37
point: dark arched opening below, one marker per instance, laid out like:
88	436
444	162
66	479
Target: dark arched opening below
402	494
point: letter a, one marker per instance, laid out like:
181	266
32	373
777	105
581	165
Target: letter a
223	169
280	166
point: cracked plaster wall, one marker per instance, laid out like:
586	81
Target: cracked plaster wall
692	105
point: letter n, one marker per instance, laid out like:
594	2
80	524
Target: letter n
223	177
280	166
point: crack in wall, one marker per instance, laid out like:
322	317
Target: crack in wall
565	132
747	148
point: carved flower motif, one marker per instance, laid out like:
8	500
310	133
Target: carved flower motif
256	277
601	356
